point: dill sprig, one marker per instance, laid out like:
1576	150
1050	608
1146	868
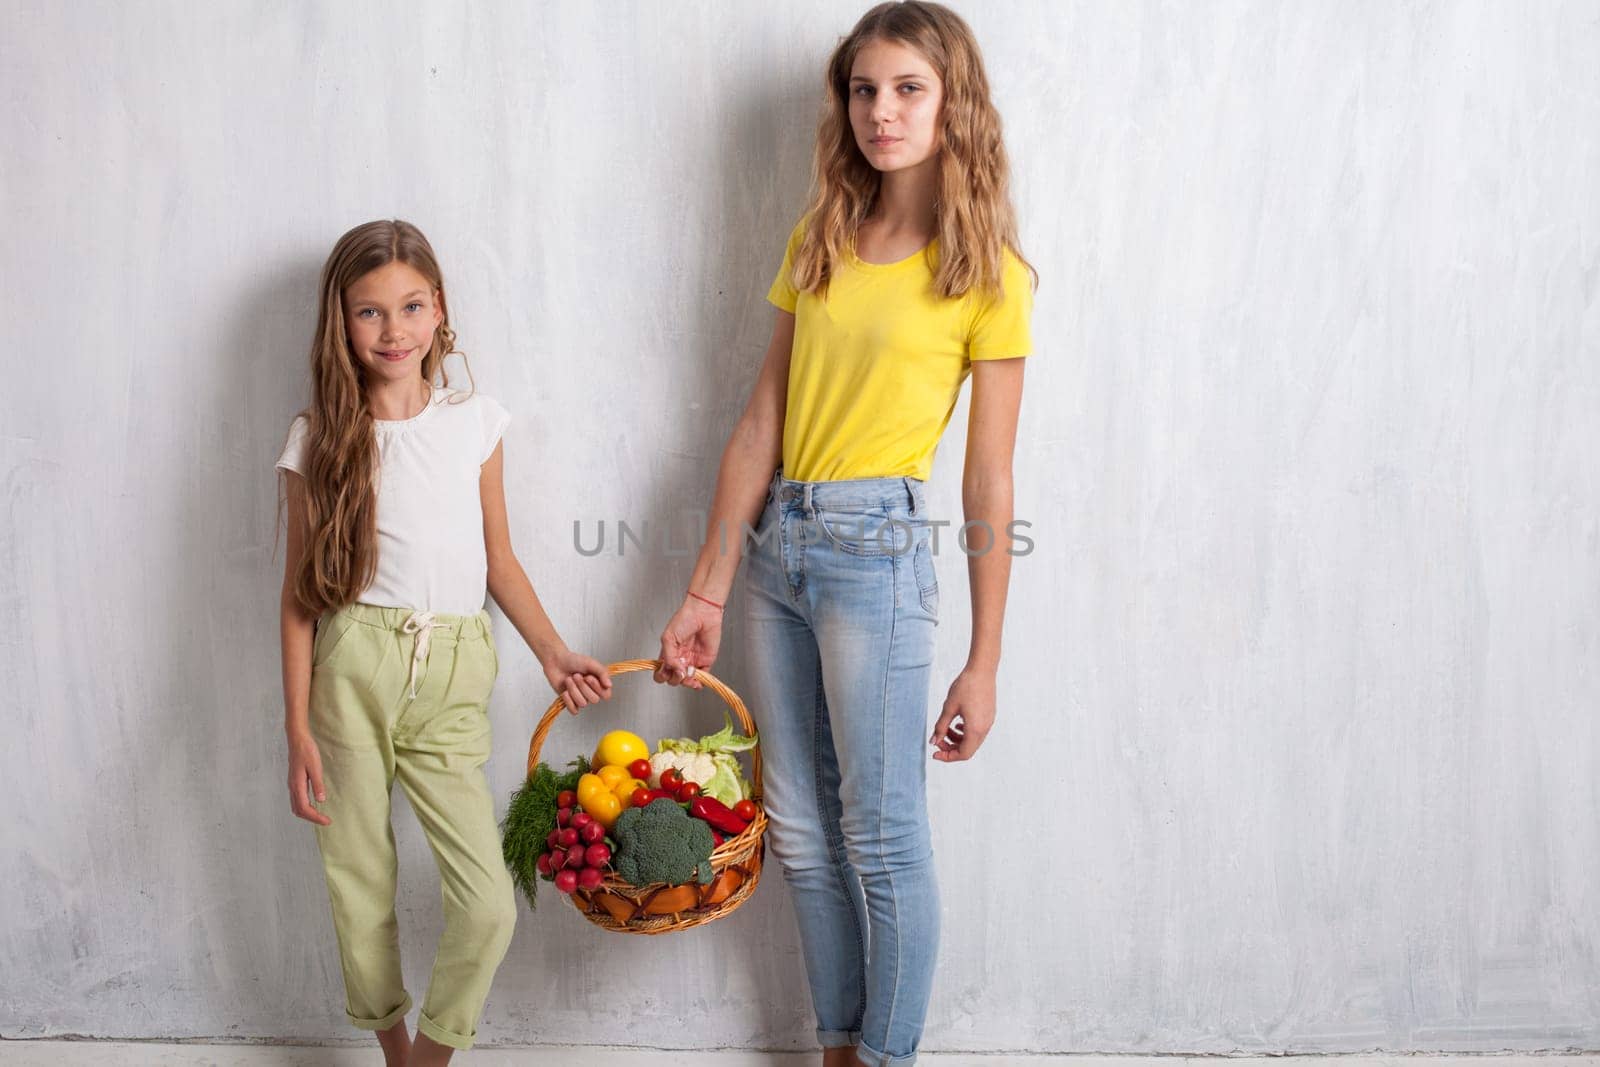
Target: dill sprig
529	819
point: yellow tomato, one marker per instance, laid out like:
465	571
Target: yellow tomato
620	748
612	776
605	808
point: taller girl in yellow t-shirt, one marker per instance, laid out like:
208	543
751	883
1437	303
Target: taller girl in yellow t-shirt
901	280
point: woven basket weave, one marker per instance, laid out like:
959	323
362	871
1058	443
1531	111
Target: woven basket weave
736	863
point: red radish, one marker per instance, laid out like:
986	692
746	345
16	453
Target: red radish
568	838
590	878
563	816
597	855
592	833
575	856
582	819
566	798
552	839
544	863
566	881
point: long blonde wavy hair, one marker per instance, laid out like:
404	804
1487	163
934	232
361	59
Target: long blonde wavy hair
341	458
976	222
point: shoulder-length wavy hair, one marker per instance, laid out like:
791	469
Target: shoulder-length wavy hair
976	221
340	555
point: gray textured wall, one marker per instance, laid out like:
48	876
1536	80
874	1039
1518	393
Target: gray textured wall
1298	743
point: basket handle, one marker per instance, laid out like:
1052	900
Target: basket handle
629	666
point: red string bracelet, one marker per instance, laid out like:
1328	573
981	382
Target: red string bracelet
707	599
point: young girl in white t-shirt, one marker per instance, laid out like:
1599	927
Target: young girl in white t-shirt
396	526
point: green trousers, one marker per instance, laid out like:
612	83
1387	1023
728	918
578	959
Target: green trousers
403	694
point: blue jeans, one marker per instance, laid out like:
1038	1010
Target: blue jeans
842	604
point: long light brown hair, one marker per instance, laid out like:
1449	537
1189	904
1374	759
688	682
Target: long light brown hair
340	555
975	219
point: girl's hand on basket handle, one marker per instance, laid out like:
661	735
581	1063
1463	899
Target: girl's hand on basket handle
580	680
689	643
967	718
305	771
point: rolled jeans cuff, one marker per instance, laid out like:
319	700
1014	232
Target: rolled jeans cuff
838	1038
871	1057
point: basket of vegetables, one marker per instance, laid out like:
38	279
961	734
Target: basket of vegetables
643	842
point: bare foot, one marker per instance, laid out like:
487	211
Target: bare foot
429	1053
396	1044
840	1057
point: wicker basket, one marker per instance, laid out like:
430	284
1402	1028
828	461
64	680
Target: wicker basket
658	908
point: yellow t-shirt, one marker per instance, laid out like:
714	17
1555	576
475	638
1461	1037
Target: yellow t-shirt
877	366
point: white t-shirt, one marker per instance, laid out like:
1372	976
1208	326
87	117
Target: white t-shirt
430	517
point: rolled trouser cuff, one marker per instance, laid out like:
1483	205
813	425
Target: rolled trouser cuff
385	1022
460	1042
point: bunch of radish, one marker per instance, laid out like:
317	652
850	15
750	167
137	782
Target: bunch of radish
577	856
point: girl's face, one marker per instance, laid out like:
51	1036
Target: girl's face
894	105
390	314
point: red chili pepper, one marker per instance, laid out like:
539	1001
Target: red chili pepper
717	814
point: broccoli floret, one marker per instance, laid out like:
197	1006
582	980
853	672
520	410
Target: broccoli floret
661	843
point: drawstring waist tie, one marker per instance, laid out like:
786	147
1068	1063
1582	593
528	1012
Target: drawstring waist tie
420	623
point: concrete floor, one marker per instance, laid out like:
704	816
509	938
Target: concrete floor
132	1054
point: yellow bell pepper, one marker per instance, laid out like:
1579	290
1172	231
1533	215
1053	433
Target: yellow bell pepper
589	787
624	790
605	807
613	775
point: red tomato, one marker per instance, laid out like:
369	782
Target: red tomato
746	810
641	797
688	791
671	779
640	768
